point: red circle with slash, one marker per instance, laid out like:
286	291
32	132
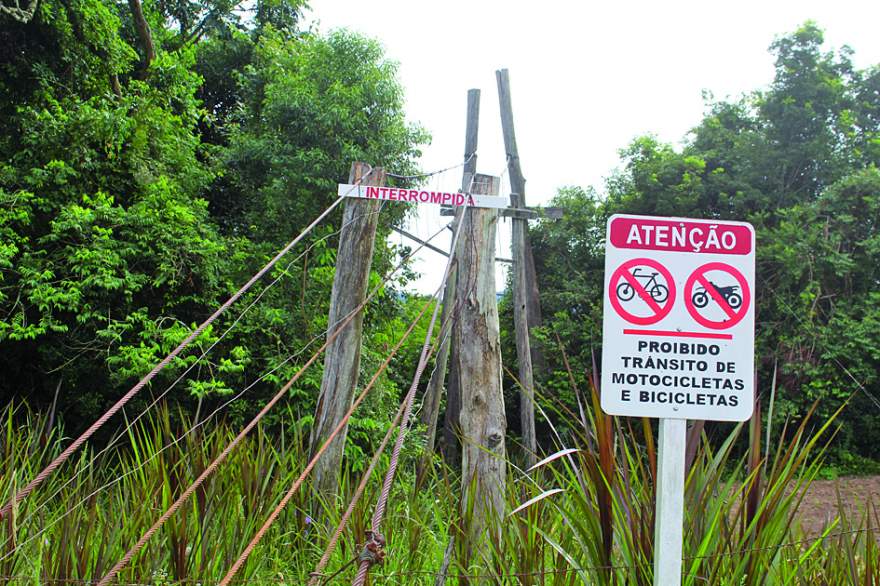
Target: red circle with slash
658	311
733	315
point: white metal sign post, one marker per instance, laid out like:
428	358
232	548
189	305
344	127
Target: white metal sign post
677	343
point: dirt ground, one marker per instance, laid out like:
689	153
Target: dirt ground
820	503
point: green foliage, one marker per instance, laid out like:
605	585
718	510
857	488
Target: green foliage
313	105
105	235
585	516
135	197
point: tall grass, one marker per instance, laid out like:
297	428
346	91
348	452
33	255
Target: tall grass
585	515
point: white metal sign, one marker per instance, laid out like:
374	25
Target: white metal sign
423	196
679	318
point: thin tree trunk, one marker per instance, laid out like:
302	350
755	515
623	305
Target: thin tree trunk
144	34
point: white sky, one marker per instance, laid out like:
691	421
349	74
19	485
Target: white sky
586	77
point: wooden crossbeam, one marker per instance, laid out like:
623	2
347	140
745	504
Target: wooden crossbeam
430	246
549	213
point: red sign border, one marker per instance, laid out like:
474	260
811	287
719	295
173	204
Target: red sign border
615	303
744	287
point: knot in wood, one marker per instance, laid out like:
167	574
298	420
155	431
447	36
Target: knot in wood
494	438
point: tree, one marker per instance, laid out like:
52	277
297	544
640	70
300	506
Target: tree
107	246
314	105
116	237
819	292
798	160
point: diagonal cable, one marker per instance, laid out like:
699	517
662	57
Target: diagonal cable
317	573
339	427
174	442
156	400
217	461
61	458
376	538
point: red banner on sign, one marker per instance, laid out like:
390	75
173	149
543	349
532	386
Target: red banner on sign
681	236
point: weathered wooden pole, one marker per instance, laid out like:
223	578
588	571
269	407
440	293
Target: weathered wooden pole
478	362
342	360
431	409
525	296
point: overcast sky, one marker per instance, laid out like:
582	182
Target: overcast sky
586	77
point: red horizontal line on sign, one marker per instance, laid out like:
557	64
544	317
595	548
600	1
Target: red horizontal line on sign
675	334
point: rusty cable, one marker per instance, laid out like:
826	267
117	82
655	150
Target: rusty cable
314	460
213	466
317	573
375	540
61	458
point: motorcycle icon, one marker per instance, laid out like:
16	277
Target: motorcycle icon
658	291
700	298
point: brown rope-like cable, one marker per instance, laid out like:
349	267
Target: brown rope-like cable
61	458
130	424
317	573
218	460
337	534
45	527
376	542
339	426
213	466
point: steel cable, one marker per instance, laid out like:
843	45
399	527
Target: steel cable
156	400
376	538
432	173
213	466
331	436
174	442
316	574
61	458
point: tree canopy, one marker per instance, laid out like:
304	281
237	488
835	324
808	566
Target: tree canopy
154	156
798	160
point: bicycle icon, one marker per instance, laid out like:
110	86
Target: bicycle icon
700	298
658	291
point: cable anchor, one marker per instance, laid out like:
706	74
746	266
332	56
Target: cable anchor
374	549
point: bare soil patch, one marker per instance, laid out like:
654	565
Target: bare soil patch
820	504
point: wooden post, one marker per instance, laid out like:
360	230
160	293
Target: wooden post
478	361
525	296
435	386
431	407
342	360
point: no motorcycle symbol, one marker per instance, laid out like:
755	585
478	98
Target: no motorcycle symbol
716	295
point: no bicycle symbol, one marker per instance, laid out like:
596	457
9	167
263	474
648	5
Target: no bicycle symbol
717	296
642	291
